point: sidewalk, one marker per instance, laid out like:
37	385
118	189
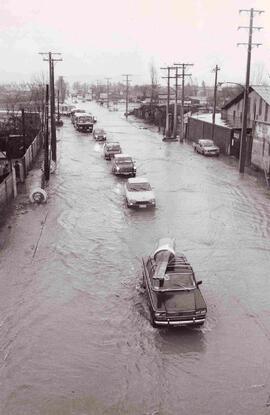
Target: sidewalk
21	217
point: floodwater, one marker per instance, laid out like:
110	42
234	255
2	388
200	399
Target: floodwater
75	336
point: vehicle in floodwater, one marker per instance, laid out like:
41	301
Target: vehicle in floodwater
174	295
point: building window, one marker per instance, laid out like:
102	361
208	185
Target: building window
266	112
241	116
234	115
260	106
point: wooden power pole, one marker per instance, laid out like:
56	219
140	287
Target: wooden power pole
216	69
108	85
183	66
168	77
127	92
51	61
243	140
46	133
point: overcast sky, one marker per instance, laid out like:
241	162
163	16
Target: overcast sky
107	38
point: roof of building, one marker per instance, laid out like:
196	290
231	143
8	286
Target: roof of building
262	90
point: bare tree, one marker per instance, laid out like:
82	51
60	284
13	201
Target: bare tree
154	83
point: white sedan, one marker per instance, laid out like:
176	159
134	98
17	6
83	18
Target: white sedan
139	193
206	147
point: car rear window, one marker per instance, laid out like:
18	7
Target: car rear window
124	160
138	187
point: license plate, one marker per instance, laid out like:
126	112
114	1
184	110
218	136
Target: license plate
142	206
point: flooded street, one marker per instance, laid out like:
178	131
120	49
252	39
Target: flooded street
75	335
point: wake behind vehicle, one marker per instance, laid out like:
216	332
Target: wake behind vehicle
110	149
206	147
174	295
99	134
138	193
123	165
83	122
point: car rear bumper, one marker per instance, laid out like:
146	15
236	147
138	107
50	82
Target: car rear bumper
212	154
139	205
125	173
168	322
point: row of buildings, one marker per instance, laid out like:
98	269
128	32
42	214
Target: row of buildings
228	124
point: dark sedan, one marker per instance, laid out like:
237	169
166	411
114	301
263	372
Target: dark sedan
99	135
174	295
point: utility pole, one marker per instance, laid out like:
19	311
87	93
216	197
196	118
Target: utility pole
108	84
184	74
243	140
175	104
168	77
51	61
46	150
24	141
216	69
58	109
127	92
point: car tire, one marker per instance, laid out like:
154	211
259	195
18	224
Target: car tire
199	324
143	282
152	319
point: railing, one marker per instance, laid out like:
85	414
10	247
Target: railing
6	191
8	187
32	151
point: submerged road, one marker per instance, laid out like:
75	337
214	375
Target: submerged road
75	336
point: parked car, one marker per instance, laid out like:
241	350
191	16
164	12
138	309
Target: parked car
206	147
123	165
99	135
174	295
110	149
139	193
83	122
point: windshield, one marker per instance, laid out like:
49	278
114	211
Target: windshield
207	143
99	131
124	160
79	111
85	119
113	147
138	187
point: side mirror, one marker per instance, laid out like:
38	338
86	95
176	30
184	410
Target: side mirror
199	283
